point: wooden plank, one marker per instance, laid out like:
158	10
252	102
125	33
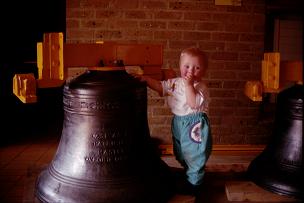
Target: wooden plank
76	55
167	149
151	69
271	70
46	70
291	72
56	54
86	54
247	191
182	199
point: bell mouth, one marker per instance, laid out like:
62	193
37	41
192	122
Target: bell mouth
279	168
275	177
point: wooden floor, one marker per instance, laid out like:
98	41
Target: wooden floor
20	163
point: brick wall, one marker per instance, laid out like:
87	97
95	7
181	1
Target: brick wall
232	36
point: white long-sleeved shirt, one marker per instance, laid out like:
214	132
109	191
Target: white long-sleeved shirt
174	90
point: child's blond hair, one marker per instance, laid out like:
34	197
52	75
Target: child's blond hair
194	51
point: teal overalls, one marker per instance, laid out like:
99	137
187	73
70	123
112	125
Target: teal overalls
192	144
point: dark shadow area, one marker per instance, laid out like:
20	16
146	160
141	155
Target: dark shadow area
26	122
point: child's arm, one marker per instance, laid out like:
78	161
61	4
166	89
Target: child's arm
190	95
190	91
152	83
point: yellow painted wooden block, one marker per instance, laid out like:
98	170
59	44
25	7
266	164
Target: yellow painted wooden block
51	57
24	87
254	90
247	191
271	71
40	59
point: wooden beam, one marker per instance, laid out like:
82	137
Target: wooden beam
167	149
247	191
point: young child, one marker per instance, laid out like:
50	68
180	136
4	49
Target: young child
188	98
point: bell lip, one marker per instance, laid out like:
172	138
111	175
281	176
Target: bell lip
295	195
262	173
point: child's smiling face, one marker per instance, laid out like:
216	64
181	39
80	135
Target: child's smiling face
192	66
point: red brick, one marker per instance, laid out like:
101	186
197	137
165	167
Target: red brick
243	111
129	4
238	27
168	15
196	36
171	54
157	120
234	84
182	5
161	134
215	120
259	9
173	35
77	34
210	26
239	9
80	13
251	37
226	18
251	56
136	14
161	111
222	93
180	44
181	25
221	36
252	18
258	28
156	102
197	16
108	14
246	75
153	4
220	102
155	41
224	56
93	23
216	64
152	94
108	34
72	23
222	74
139	34
95	4
214	83
119	24
153	24
172	63
237	65
72	4
230	119
212	46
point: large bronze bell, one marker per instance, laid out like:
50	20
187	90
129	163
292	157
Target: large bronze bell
105	153
279	168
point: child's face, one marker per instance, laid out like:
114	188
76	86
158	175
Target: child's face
192	66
